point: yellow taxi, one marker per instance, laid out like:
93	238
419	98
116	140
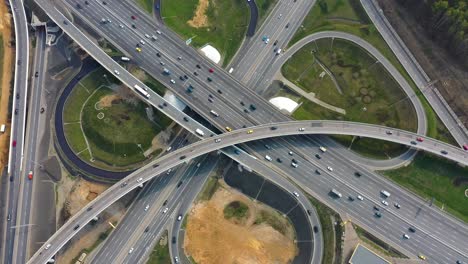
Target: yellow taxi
228	129
138	49
250	131
421	256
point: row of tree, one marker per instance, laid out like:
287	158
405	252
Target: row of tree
446	21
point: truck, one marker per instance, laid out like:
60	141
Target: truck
199	132
336	193
141	91
2	128
385	193
125	59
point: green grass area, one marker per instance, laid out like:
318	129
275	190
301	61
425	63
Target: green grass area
160	253
436	178
224	29
147	5
331	237
362	87
273	219
349	16
118	132
209	189
88	250
264	8
377	244
236	209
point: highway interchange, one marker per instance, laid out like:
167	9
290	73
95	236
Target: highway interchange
264	113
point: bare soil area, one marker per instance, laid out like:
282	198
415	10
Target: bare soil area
200	19
73	194
212	239
437	63
6	75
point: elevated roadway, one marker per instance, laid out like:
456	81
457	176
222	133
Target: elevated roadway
18	126
456	250
420	78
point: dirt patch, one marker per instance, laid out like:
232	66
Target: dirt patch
210	238
436	62
200	19
6	75
108	100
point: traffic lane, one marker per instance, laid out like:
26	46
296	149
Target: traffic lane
30	156
281	200
347	170
142	245
185	55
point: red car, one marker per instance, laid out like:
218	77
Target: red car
14	143
133	17
211	70
465	147
420	139
30	175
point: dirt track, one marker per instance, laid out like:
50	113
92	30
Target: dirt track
8	55
211	239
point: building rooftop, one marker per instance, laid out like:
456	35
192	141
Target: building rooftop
363	255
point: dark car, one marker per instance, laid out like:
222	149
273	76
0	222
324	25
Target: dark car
414	142
378	214
273	128
242	103
179	184
124	184
181	78
146	229
36	74
76	227
253	107
198	66
210	96
104	2
357	174
318	156
279	160
16	111
165	202
19	62
182	157
158	54
220	92
195	73
444	152
165	104
294	160
317	171
42	110
237	152
376	208
316	229
287	25
350	198
155	165
133	17
11	178
209	79
89	208
65	22
133	26
186	119
17	96
173	240
412	229
86	2
246	111
78	6
185	77
276	42
309	212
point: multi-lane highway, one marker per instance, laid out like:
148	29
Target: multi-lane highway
456	246
30	164
16	172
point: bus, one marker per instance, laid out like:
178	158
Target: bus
141	91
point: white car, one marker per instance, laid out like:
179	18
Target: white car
48	246
294	165
329	168
140	179
176	259
290	153
159	32
130	251
217	140
405	236
296	194
142	42
165	210
179	218
121	26
268	158
301	129
172	81
146	207
323	149
116	72
360	198
147	36
384	202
